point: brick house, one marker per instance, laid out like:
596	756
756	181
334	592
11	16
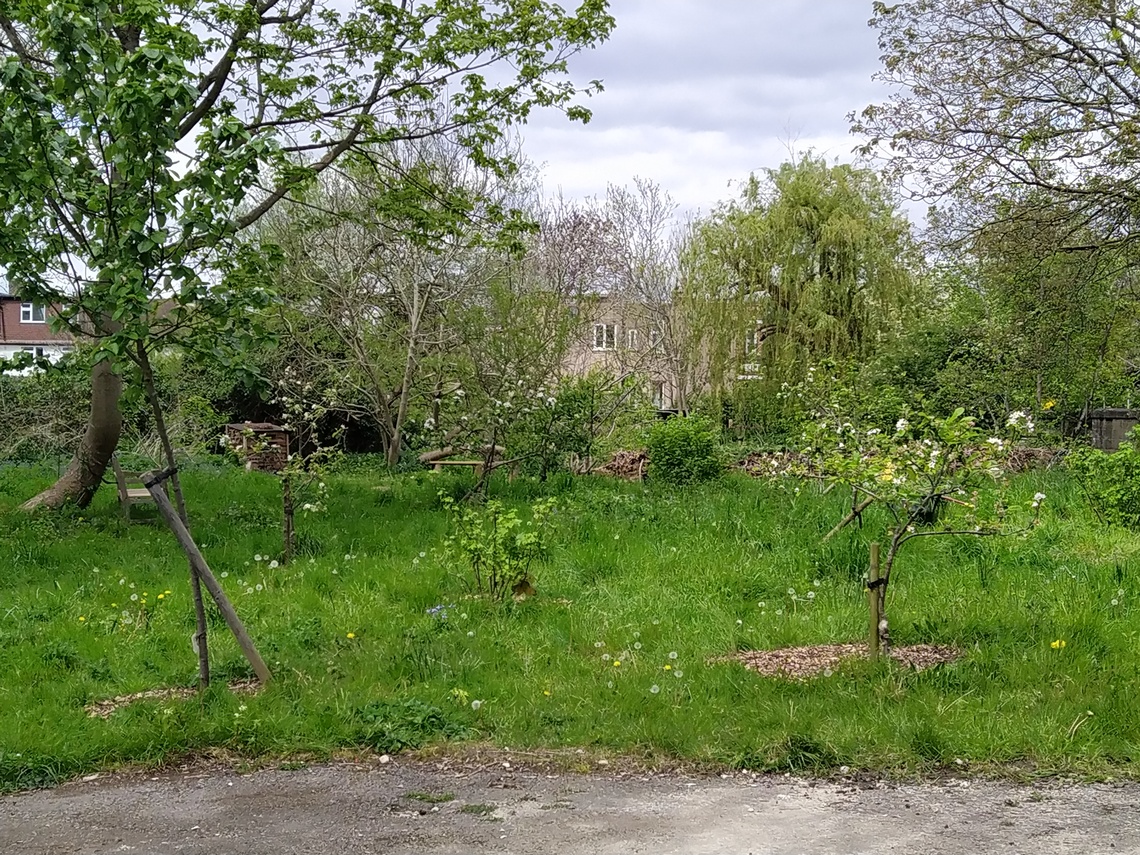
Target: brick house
26	328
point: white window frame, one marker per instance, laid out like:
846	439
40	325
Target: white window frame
37	352
28	312
655	338
605	337
631	338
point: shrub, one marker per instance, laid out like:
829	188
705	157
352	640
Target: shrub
685	450
1112	481
497	546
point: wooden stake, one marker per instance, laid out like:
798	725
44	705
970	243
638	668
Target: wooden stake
873	602
153	482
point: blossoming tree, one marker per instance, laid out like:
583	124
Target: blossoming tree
933	476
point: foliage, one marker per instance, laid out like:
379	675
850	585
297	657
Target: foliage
495	544
685	450
389	727
1013	96
1112	481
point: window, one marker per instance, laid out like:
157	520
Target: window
659	395
750	342
30	313
605	336
37	352
631	339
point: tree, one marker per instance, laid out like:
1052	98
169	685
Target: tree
997	96
813	262
137	140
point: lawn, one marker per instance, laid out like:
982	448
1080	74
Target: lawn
658	580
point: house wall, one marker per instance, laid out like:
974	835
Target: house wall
583	356
17	335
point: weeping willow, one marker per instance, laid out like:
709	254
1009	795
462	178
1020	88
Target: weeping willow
813	262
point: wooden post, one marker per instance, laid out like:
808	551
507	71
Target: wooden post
873	602
153	482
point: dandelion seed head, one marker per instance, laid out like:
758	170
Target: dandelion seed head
654	689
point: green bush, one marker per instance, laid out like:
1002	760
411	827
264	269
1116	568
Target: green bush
685	450
1112	481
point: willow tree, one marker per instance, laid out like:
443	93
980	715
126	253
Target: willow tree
138	139
813	261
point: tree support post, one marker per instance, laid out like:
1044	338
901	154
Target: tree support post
153	482
873	583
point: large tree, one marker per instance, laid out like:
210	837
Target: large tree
993	97
138	138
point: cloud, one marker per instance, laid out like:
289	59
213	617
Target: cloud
699	94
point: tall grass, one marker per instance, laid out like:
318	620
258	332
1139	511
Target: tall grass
635	575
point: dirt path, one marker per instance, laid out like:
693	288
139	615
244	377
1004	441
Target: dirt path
361	810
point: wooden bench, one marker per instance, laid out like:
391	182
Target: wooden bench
131	489
476	465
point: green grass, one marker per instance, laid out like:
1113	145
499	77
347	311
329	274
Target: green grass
635	573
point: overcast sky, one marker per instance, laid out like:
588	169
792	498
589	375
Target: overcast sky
700	93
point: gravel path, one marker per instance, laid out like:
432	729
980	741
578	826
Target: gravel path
387	809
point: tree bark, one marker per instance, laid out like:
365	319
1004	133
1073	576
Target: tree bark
84	474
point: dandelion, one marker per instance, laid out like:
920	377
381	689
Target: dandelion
260	587
82	619
672	654
114	605
273	565
599	644
816	583
761	605
617	663
546	692
162	596
249	590
791	592
827	672
167	592
225	574
654	689
606	657
134	598
1120	592
667	668
1058	644
475	705
610	684
638	634
471	633
350	635
464	615
739	623
257	558
811	595
637	644
678	674
122	581
779	612
1115	601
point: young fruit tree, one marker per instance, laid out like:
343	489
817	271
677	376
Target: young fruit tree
138	139
934	477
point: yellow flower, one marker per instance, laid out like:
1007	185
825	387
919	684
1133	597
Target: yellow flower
114	605
82	618
1048	405
166	592
546	692
162	596
667	668
1058	644
351	635
617	663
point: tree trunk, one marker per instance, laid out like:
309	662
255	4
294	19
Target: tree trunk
84	474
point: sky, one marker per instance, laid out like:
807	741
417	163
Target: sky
701	93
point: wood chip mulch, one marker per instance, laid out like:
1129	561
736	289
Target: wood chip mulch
630	465
106	708
803	663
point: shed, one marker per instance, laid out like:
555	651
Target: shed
262	445
1110	426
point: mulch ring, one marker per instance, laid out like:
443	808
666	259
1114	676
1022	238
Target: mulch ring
803	663
106	708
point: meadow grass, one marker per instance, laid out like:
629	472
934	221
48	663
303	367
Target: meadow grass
637	574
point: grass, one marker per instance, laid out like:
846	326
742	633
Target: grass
635	574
